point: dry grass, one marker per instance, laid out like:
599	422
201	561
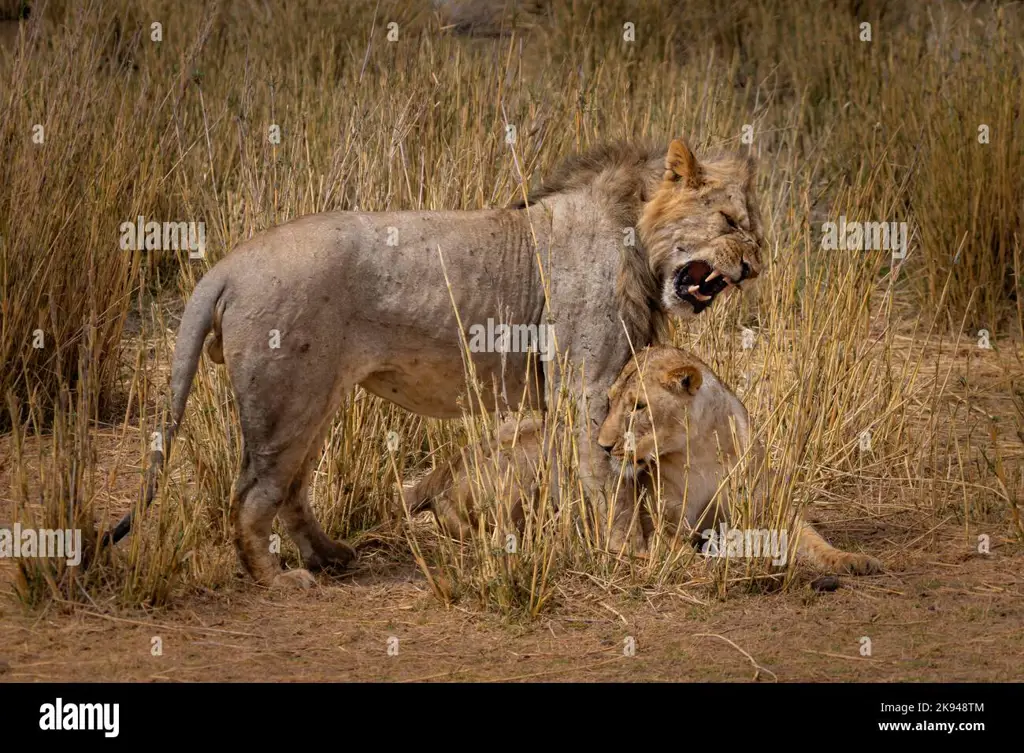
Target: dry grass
846	342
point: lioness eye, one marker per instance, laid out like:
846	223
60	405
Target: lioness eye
641	406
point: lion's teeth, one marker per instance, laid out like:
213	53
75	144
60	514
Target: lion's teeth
712	276
694	290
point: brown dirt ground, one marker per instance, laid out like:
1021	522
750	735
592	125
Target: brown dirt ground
940	613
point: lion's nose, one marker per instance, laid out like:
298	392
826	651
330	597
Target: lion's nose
747	272
606	447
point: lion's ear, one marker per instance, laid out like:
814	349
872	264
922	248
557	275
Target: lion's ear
681	165
687	378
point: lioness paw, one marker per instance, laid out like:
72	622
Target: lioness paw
294	579
861	564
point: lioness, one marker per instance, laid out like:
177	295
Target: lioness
303	312
672	419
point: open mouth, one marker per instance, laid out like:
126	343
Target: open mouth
698	283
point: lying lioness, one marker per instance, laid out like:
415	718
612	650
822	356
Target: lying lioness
669	418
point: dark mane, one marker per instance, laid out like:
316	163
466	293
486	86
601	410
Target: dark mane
622	176
629	162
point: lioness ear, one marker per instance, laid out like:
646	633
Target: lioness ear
681	165
686	378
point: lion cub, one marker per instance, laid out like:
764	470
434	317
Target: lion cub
671	417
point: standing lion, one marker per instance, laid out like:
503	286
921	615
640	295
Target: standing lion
300	314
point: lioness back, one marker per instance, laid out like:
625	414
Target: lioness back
460	486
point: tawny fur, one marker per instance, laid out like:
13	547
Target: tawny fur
672	421
506	469
688	430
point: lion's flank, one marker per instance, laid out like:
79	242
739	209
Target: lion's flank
622	176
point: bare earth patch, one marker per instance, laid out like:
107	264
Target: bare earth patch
945	615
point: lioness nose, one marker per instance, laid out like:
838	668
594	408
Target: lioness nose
747	272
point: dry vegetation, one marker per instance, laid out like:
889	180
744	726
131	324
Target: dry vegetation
845	341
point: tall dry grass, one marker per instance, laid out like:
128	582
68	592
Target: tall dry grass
846	342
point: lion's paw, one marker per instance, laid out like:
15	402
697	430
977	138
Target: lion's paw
331	557
630	541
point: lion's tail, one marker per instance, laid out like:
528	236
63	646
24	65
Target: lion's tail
200	317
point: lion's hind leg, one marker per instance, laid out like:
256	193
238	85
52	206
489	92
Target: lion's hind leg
256	496
319	551
282	432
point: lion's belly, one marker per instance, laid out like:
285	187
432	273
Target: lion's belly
438	387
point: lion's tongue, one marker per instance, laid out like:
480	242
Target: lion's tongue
696	272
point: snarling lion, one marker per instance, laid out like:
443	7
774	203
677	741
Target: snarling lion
302	313
670	420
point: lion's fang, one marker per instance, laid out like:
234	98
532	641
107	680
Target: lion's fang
694	290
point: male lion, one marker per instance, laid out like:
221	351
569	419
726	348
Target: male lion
672	419
307	310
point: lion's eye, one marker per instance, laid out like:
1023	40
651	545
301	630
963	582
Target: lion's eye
641	406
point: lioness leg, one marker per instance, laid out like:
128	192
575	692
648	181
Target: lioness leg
814	550
453	515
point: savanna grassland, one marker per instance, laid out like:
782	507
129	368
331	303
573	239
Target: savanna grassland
889	391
